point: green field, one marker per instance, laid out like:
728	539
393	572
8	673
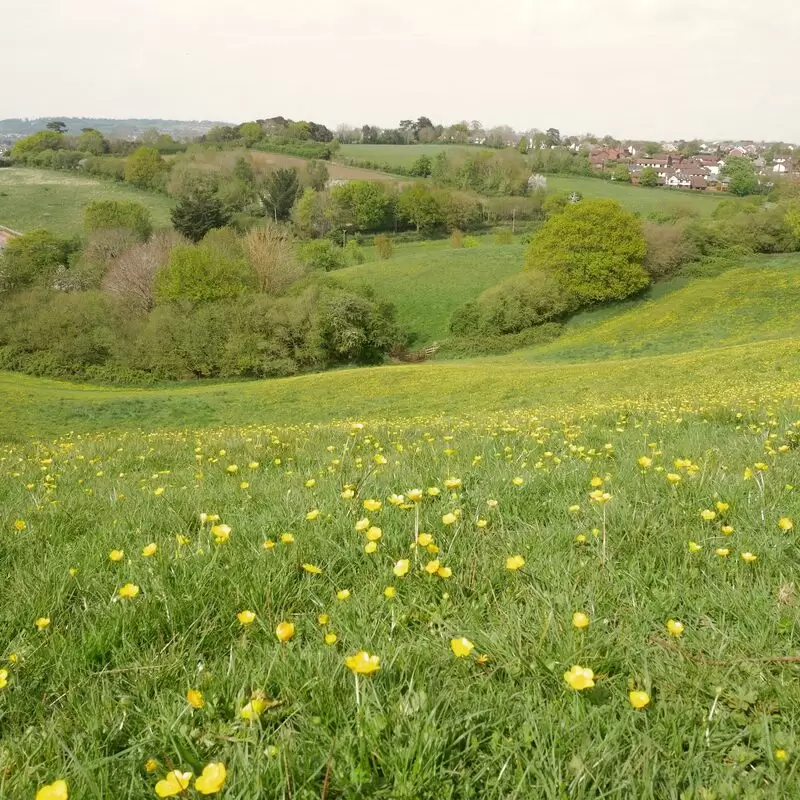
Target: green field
414	277
641	199
397	155
36	198
641	470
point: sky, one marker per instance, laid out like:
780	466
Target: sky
650	69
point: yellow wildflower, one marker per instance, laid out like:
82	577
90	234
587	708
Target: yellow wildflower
194	697
246	617
579	678
362	663
638	699
580	620
461	647
175	782
514	563
212	779
675	627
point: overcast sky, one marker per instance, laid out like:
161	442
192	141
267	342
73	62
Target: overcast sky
632	68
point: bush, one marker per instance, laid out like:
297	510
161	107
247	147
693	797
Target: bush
456	239
270	251
355	255
471	346
593	249
108	167
668	249
110	214
146	169
472	241
384	248
32	258
199	273
323	255
522	301
198	213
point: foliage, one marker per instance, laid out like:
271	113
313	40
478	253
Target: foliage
317	175
32	258
145	168
422	167
363	205
668	249
322	255
201	274
648	177
278	192
36	143
594	250
92	142
198	213
109	214
270	251
419	206
743	179
312	214
493	344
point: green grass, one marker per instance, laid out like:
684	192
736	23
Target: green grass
752	303
397	155
35	198
428	281
102	690
640	199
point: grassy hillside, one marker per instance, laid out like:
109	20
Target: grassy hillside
35	198
428	281
568	516
400	155
753	303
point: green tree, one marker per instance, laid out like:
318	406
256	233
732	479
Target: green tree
594	249
422	167
36	143
111	214
92	142
621	173
278	192
742	175
32	258
197	213
651	148
317	175
366	205
201	273
648	177
523	146
250	133
145	167
56	125
312	214
419	206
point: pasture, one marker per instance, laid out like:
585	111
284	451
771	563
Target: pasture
397	155
37	198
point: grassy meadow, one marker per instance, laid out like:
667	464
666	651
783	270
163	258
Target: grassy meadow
38	198
414	279
400	155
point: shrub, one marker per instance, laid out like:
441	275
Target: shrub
668	249
110	214
322	254
384	248
37	143
198	213
198	274
145	168
355	254
472	241
594	249
106	167
33	258
491	345
270	251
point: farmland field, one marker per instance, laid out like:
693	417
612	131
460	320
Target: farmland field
414	278
36	198
593	592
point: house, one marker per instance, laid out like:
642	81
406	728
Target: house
600	157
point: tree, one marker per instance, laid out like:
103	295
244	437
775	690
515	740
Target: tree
553	137
278	192
91	141
144	168
311	214
422	167
199	273
250	133
110	214
366	205
317	175
621	173
36	143
743	179
32	258
651	148
417	205
648	177
523	145
594	249
270	251
56	125
131	276
198	213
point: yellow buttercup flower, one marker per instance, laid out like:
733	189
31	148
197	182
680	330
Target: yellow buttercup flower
675	627
749	558
3	678
57	790
287	538
444	572
343	594
129	590
449	518
644	462
638	699
434	491
432	567
252	710
149	549
221	533
513	563
310	483
42	623
175	782
722	507
580	620
151	765
20	525
424	539
372	505
452	484
362	663
268	544
116	555
246	617
389	592
461	647
722	551
694	547
374	534
781	755
370	547
312	515
331	638
726	530
579	678
707	514
362	525
194	697
212	779
518	481
673	478
401	567
414	495
348	494
284	631
785	524
396	499
313	570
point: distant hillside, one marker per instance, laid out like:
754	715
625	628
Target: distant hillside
120	128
